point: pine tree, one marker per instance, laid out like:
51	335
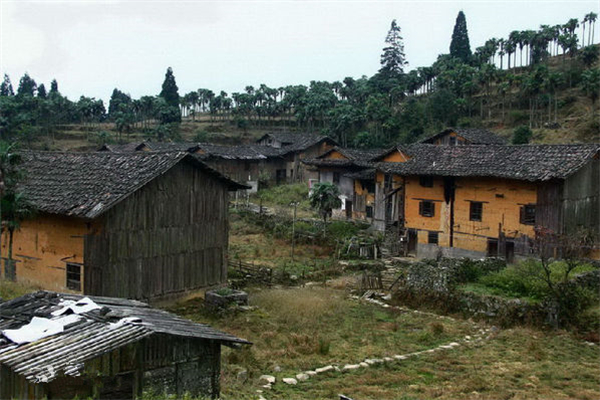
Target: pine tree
6	88
393	59
170	94
53	87
41	92
169	90
27	86
459	46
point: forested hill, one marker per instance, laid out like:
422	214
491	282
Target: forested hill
547	80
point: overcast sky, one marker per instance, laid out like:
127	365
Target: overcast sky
91	47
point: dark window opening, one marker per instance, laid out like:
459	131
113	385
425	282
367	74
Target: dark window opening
452	140
388	181
527	216
426	181
432	238
336	177
370	186
475	211
246	166
369	210
427	208
74	277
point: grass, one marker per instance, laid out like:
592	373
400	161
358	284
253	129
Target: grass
9	290
305	328
249	243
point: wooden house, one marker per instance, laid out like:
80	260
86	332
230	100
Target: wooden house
138	225
294	148
485	200
249	164
352	171
65	346
460	136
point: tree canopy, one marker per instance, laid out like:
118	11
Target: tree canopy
459	45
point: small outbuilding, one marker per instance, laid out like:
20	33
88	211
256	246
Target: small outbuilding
65	346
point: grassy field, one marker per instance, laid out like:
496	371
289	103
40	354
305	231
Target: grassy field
294	330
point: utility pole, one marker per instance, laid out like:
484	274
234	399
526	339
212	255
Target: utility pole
294	229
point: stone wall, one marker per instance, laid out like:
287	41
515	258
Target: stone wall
433	283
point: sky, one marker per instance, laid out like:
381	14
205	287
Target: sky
93	46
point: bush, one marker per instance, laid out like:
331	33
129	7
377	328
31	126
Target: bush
341	229
471	270
286	194
521	135
201	136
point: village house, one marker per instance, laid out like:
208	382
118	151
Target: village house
460	136
294	148
252	164
66	346
352	171
139	225
472	200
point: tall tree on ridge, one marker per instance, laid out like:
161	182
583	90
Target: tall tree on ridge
393	58
6	88
170	93
459	46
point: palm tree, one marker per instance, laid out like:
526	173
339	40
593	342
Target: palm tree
325	197
9	174
15	208
591	18
585	20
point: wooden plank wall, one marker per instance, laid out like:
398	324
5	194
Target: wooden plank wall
168	237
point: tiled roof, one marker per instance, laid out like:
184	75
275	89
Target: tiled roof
472	135
297	141
94	326
525	162
362	158
87	184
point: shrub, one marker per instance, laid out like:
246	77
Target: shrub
201	136
521	135
324	346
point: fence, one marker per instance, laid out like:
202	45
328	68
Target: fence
252	272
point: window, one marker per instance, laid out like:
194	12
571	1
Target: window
426	181
369	186
475	211
246	166
369	210
528	214
427	208
336	177
432	238
388	181
74	276
452	140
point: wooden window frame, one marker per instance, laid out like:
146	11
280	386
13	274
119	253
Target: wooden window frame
475	211
427	208
73	276
433	237
527	214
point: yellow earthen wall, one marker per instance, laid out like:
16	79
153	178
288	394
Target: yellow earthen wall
335	155
503	209
43	246
395	156
360	190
